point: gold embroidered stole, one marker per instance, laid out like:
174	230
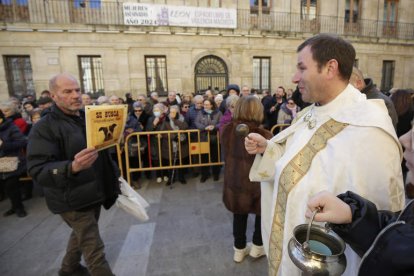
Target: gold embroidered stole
290	176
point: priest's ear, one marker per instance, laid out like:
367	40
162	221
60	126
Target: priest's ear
332	68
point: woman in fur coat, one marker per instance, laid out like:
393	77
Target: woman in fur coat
240	195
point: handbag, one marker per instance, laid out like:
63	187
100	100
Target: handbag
131	202
8	164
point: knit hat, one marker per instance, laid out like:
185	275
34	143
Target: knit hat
234	87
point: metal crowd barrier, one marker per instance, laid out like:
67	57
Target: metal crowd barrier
184	139
143	144
278	128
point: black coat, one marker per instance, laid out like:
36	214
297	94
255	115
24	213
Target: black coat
384	240
13	145
53	143
373	93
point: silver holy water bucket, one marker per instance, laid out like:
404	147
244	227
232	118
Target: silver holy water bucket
317	250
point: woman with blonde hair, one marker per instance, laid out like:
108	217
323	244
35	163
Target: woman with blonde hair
240	195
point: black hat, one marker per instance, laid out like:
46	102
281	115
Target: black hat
234	87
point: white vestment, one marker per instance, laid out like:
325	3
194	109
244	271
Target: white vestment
365	157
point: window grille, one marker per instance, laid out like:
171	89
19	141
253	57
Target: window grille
156	74
261	73
91	75
19	76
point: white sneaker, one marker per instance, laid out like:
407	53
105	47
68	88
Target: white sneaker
239	254
257	251
165	178
159	179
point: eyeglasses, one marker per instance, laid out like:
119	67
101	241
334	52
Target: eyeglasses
138	110
186	106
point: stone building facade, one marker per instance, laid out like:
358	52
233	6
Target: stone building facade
91	40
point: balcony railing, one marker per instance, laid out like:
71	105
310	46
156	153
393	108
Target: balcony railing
69	12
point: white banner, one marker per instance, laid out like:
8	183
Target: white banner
165	15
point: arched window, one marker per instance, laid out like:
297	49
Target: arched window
210	72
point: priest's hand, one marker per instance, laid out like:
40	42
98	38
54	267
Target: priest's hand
255	143
332	209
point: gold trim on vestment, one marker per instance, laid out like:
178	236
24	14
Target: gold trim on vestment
290	176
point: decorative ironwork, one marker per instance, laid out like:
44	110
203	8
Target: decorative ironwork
91	75
210	73
19	76
110	12
156	74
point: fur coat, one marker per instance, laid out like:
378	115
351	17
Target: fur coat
240	195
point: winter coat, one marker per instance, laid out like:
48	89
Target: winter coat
240	195
272	116
225	119
384	240
285	114
191	116
133	123
20	123
267	103
203	120
162	126
14	143
177	142
373	93
53	143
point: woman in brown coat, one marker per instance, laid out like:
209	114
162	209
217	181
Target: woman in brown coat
240	195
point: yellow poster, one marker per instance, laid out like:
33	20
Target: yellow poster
105	125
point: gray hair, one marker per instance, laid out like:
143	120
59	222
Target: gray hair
102	100
198	98
231	100
175	107
137	104
9	105
160	106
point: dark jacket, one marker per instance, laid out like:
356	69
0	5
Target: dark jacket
164	125
14	142
267	102
240	195
272	116
53	143
177	142
373	93
203	120
384	240
191	116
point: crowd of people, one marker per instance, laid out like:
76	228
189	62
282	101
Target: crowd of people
208	111
265	175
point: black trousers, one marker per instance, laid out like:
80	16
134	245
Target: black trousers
12	189
240	227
